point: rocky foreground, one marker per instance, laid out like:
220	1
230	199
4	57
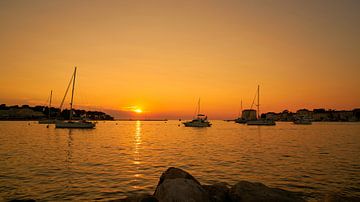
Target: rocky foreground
176	185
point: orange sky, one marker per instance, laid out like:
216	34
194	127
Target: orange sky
161	56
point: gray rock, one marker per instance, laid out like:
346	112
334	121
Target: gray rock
250	192
218	192
178	185
173	173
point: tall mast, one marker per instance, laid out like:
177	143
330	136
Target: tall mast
198	107
258	101
241	109
72	95
50	103
67	90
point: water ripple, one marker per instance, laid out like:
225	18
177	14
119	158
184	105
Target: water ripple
125	158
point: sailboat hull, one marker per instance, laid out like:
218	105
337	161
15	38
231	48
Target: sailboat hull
197	124
74	124
240	120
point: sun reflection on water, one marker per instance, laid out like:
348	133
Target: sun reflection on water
137	142
137	156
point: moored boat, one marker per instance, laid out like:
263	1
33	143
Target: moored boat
240	119
81	124
75	124
200	121
260	121
49	120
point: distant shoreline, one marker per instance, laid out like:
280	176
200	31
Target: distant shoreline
35	113
165	120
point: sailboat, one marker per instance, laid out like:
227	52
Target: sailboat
260	121
48	120
71	123
240	119
199	121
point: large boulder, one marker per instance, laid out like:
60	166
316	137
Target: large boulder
178	185
245	191
218	192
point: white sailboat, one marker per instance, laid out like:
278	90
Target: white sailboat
71	123
200	120
260	121
48	120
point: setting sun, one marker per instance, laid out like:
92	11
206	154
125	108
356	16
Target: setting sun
180	100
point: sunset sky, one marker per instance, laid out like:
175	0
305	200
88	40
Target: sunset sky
161	56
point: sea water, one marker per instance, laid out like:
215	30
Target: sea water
122	158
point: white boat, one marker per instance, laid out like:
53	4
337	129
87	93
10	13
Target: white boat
81	124
48	120
200	120
260	121
303	120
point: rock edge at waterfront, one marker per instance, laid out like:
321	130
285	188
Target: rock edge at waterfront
178	185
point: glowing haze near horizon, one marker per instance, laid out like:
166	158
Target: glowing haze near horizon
159	57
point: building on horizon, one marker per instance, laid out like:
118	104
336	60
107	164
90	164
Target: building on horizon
249	114
316	115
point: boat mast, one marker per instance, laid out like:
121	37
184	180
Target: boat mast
258	102
241	109
198	107
72	95
67	90
50	103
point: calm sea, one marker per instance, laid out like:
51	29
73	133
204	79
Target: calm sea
123	158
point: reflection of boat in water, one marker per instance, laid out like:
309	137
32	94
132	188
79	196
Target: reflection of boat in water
260	121
71	123
303	120
200	120
48	120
